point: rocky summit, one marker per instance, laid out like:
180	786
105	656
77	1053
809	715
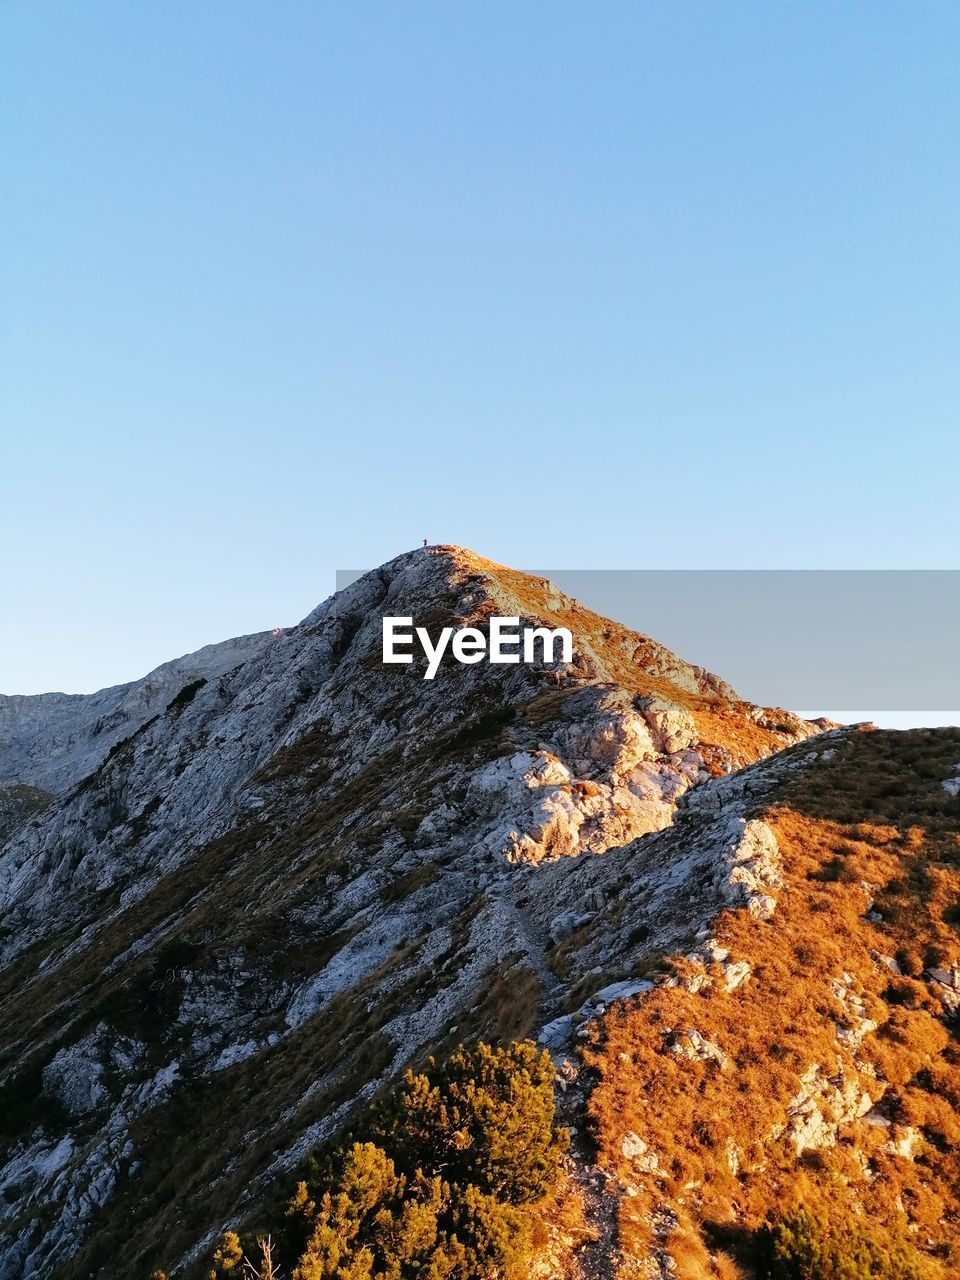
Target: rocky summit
241	897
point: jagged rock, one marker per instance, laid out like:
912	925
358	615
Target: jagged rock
633	1146
947	977
711	953
735	973
761	905
822	1106
555	1036
568	922
672	725
903	1143
694	1045
754	863
636	1150
75	1076
621	991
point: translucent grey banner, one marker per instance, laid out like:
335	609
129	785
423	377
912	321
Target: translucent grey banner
864	641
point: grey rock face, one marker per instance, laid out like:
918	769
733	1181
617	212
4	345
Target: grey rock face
18	803
52	740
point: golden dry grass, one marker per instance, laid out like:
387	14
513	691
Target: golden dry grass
894	840
625	656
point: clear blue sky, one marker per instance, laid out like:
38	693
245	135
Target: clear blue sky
288	287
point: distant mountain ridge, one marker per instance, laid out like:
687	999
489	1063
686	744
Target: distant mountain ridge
52	740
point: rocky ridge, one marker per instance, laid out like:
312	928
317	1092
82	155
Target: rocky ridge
50	741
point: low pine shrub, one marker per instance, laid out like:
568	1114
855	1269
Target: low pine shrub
807	1246
437	1183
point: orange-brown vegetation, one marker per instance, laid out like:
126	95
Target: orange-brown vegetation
626	658
870	844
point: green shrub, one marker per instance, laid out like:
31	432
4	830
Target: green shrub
377	1223
438	1182
806	1246
484	1118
